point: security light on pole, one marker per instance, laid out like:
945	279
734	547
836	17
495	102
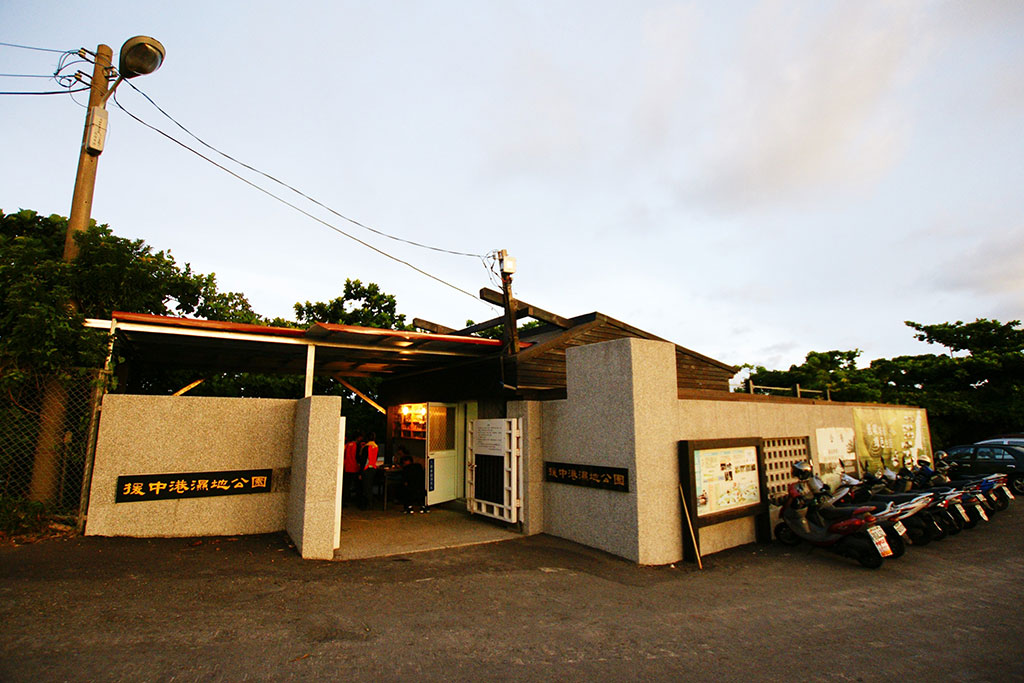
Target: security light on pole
139	56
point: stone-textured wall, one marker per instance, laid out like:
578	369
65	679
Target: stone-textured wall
699	419
622	410
177	434
314	506
594	426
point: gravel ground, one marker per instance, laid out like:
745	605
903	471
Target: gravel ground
535	608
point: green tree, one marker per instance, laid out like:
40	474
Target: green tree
363	305
42	339
835	372
366	306
973	390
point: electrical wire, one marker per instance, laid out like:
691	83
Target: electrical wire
25	76
28	47
296	190
289	204
47	92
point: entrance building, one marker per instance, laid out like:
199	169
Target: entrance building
594	431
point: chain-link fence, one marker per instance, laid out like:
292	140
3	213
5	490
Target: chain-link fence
44	435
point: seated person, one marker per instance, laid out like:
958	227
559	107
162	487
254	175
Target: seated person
413	489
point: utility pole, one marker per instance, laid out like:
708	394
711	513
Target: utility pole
45	465
511	335
89	155
139	56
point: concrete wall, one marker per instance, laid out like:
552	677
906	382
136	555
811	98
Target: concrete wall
314	504
703	419
172	434
711	419
623	410
619	413
168	434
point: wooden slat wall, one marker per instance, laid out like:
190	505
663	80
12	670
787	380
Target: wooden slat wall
548	369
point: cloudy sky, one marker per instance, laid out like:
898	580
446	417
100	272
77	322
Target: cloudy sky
752	180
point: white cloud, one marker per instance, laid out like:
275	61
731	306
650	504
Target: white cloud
809	103
990	270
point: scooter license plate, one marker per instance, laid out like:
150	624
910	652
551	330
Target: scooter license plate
981	511
963	513
878	536
901	530
1008	492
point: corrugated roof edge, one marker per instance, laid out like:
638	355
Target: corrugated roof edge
220	325
313	331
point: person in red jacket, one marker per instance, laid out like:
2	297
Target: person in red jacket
367	459
350	480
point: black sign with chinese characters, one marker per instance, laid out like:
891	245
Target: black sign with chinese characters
594	476
136	487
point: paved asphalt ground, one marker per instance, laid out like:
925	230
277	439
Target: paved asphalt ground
529	609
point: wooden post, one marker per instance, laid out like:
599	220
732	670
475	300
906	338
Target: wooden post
310	367
689	523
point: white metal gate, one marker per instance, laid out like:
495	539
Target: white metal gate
493	469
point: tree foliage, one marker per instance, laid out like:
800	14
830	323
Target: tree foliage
834	372
44	301
39	333
362	305
973	389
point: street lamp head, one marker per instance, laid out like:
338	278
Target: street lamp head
140	55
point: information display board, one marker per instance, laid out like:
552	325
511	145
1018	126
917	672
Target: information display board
725	479
721	480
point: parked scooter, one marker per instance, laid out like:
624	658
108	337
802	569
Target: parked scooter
921	525
890	512
993	487
851	532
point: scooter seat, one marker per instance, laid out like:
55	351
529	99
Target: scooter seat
868	506
894	497
834	512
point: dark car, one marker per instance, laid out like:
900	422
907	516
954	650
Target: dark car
982	458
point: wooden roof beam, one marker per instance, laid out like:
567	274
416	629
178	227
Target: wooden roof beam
479	327
432	327
524	309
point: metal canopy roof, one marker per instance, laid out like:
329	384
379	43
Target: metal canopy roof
339	350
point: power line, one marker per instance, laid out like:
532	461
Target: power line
26	76
297	191
29	47
48	92
289	204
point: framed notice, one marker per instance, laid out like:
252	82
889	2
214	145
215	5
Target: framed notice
725	479
722	480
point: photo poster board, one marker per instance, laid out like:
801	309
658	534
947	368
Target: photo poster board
836	454
723	480
890	436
